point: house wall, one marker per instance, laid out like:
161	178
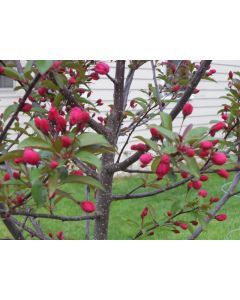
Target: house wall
206	102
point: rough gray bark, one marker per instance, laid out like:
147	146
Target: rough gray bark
106	176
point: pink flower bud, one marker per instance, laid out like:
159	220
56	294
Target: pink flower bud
53	164
219	158
197	184
203	193
101	68
87	206
66	141
31	157
221	217
223	173
187	110
146	158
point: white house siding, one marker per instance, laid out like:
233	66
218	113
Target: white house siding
206	102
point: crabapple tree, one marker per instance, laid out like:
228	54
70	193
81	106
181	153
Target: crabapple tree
66	140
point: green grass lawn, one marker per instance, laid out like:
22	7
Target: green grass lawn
121	228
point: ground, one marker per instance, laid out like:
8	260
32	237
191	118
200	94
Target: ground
123	212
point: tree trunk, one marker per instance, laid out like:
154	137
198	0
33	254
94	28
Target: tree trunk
103	199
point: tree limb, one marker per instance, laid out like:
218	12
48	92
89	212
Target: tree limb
218	206
190	89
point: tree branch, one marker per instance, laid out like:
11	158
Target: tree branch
156	86
219	205
190	89
152	193
48	216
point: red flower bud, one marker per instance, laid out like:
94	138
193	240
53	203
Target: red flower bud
230	75
19	200
139	147
190	152
165	159
16	175
216	127
42	91
214	199
18	160
184	226
219	158
72	80
162	170
196	91
155	134
53	164
99	102
53	114
87	206
6	177
66	141
203	193
187	109
101	68
61	123
176	88
2	70
223	173
169	213
197	184
60	235
184	174
221	217
144	213
26	107
42	124
146	158
204	153
224	116
31	157
205	145
77	172
194	223
203	178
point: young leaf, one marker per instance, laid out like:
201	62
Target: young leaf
89	158
84	180
39	193
192	166
43	65
166	120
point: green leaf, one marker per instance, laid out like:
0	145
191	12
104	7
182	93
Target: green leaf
91	138
60	79
11	155
89	158
9	110
57	100
36	142
171	136
65	195
52	183
195	134
43	65
192	165
50	85
81	100
155	164
39	193
142	102
166	120
11	73
84	180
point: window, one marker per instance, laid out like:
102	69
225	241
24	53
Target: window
6	82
